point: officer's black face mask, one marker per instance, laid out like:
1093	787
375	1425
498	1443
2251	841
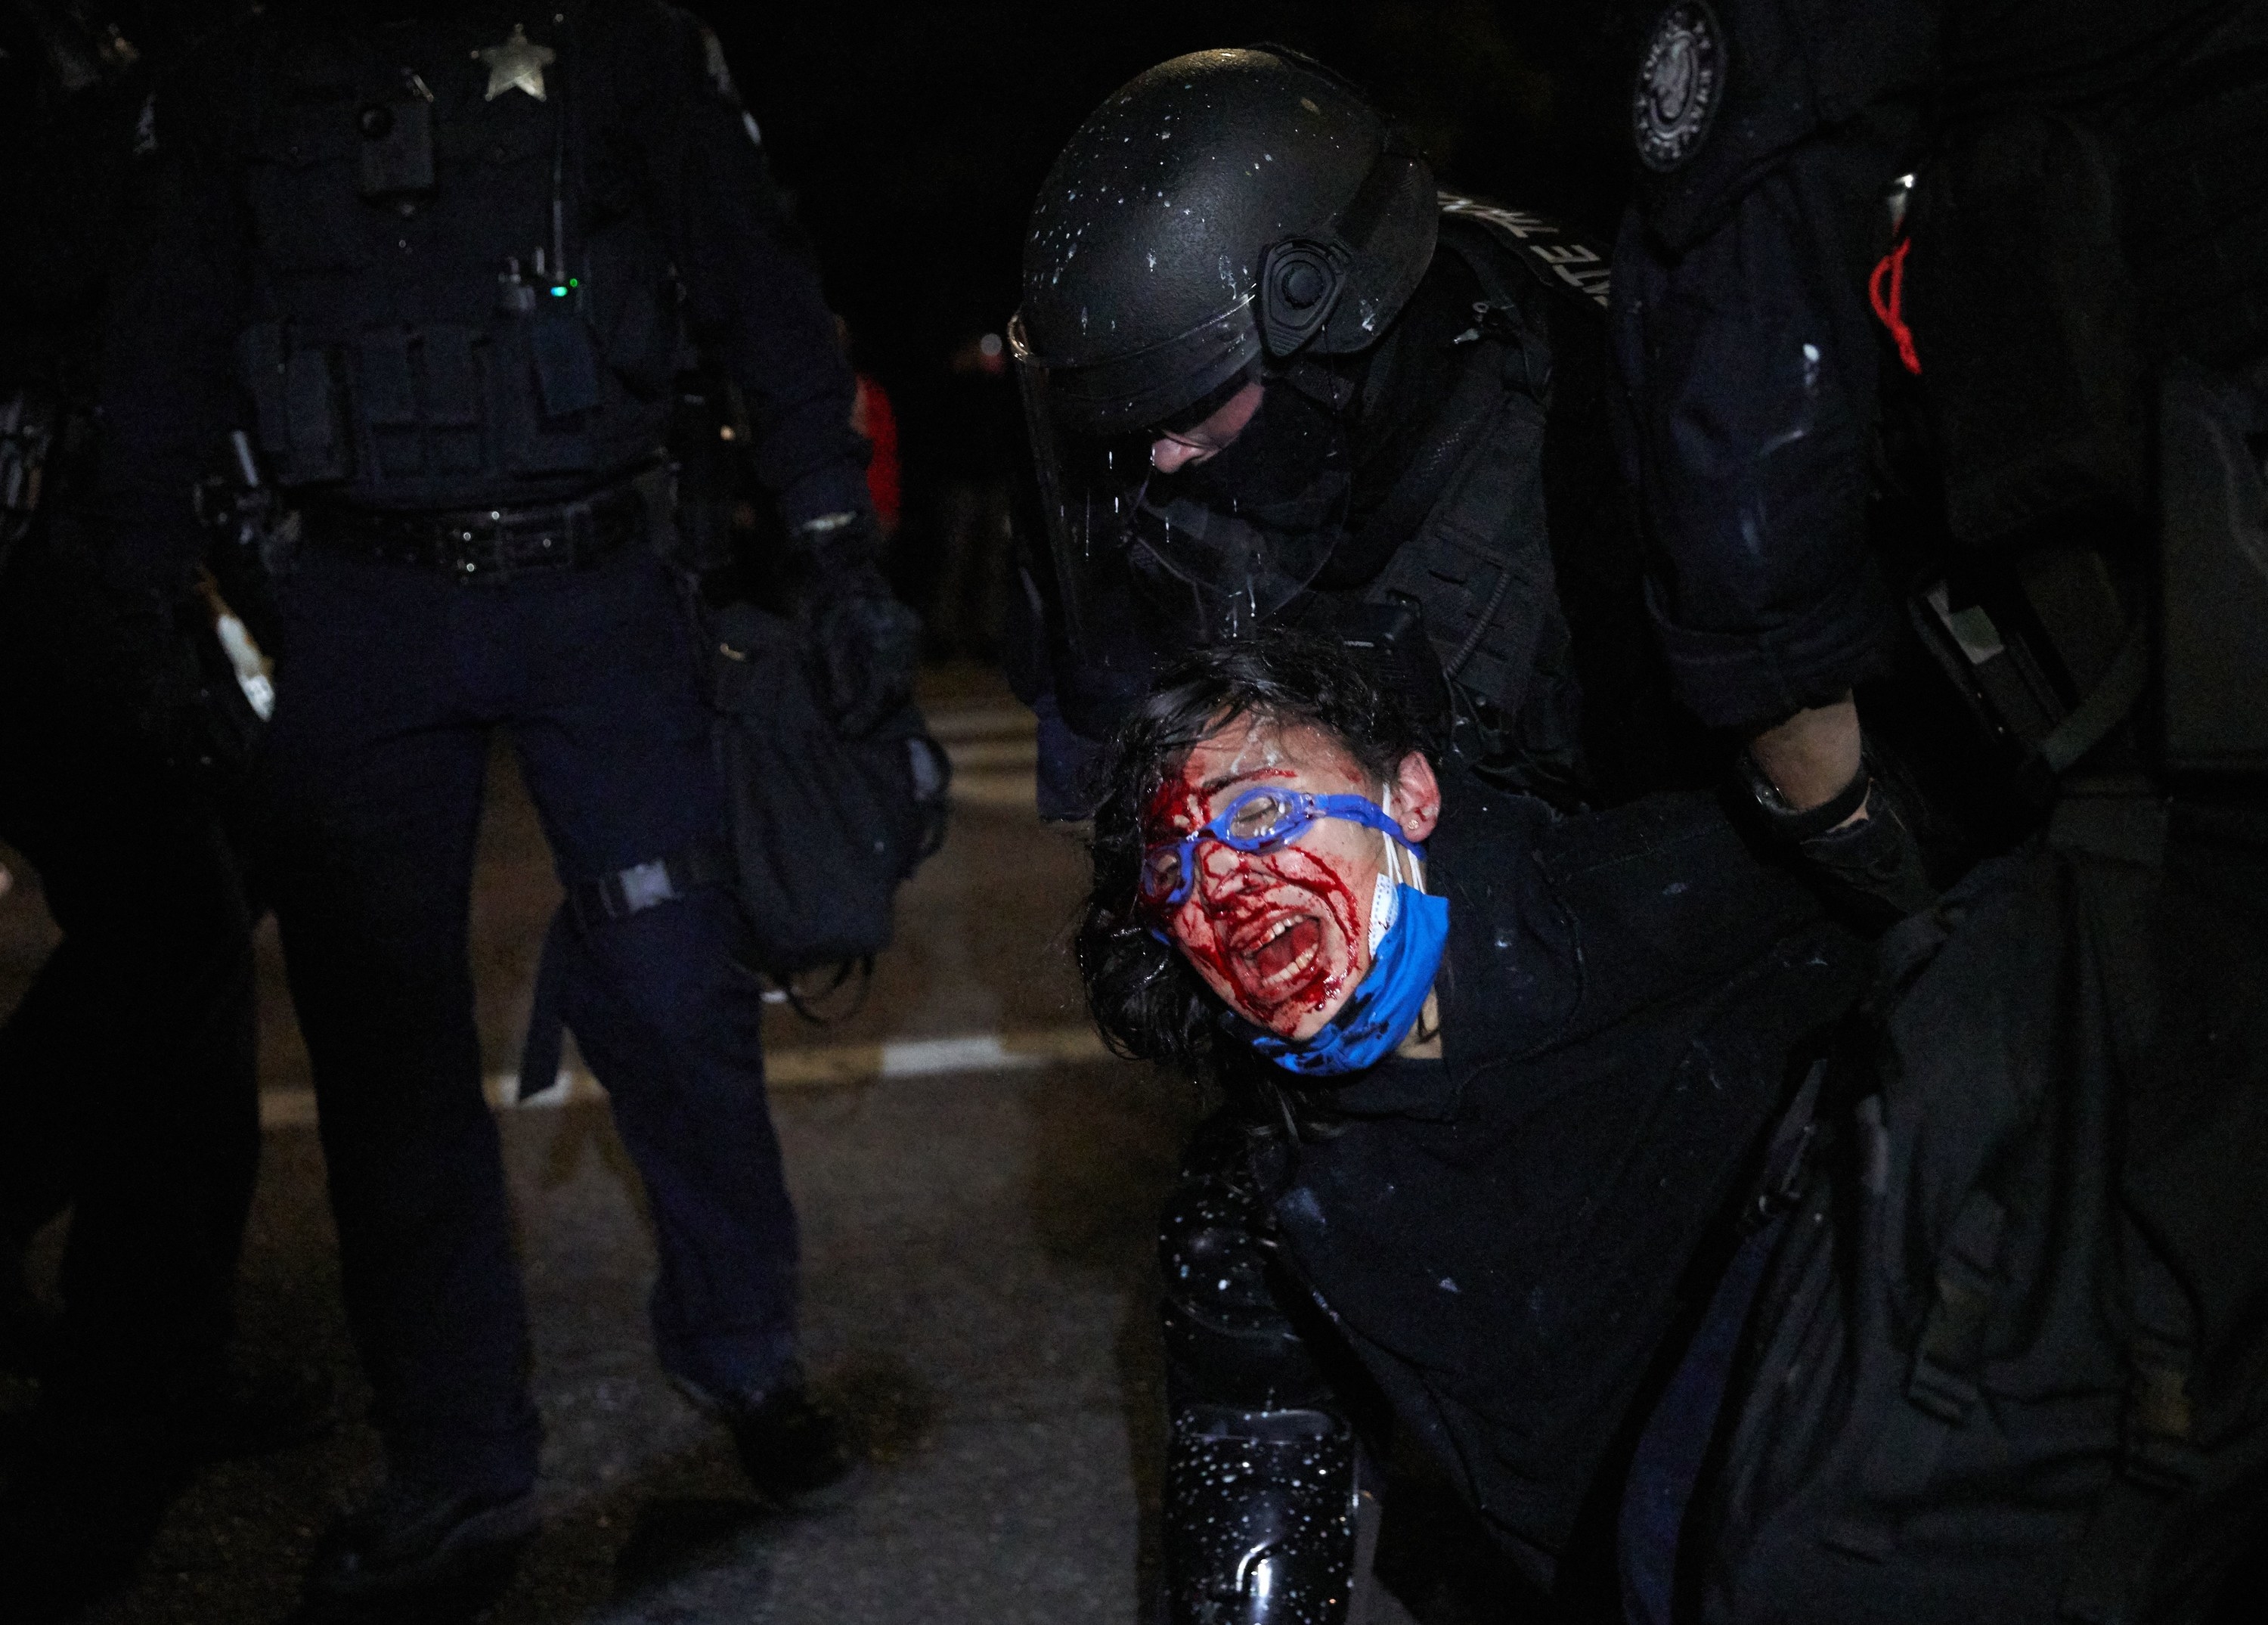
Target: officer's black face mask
1286	472
1229	541
1200	554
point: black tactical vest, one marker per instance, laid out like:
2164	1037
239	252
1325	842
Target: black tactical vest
450	315
1525	566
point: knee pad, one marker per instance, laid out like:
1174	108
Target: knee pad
1260	1517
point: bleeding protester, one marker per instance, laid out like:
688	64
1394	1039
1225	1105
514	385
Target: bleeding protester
1501	1085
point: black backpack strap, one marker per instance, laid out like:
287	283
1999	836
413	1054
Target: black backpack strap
1479	566
2114	834
2160	1467
1941	1382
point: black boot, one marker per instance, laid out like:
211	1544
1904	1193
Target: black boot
419	1551
790	1445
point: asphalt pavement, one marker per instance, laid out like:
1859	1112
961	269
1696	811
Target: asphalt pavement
979	1187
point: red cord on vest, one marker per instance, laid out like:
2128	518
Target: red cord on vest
1891	308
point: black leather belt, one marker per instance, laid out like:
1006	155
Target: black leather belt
480	546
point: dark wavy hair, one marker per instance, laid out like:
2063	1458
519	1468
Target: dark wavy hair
1146	998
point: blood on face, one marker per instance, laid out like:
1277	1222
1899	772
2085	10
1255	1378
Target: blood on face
1281	935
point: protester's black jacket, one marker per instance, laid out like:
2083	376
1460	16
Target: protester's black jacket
1503	1234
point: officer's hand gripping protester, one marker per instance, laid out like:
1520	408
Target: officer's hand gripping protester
1943	335
444	264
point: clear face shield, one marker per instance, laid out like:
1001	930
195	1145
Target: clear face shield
1149	563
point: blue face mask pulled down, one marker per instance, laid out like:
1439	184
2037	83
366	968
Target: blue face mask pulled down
1383	1007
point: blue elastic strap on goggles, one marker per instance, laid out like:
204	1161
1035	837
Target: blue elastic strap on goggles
1302	810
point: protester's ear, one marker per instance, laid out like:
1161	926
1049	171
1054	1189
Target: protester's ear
1417	796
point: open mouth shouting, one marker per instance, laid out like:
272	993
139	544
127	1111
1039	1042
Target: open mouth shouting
1285	952
1278	935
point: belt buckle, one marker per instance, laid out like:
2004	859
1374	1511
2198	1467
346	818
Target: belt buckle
471	568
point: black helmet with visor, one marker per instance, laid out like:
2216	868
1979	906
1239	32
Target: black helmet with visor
1228	218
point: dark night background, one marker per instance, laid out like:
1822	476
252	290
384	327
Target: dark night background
915	136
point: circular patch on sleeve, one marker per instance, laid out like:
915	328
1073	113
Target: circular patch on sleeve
1681	79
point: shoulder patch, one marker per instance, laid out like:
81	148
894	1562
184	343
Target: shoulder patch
1680	80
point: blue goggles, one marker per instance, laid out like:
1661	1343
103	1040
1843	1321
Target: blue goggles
1257	821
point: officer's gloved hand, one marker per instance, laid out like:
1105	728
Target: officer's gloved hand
868	643
1871	873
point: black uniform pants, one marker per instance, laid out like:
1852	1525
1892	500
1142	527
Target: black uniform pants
394	680
126	1082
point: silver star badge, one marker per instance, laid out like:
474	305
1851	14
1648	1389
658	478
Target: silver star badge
517	64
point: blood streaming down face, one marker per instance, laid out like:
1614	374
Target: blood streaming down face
1282	936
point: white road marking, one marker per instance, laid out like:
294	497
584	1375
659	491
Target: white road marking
982	755
994	749
804	1067
961	723
1004	792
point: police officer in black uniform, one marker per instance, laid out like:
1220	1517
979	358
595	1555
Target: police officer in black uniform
1944	335
1893	304
1273	377
1272	374
444	262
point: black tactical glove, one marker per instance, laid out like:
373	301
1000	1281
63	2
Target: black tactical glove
1871	873
866	644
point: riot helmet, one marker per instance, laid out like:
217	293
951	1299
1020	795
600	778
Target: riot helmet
1217	242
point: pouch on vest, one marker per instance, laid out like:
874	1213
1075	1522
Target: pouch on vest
566	372
397	148
386	397
300	402
302	186
452	366
545	380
